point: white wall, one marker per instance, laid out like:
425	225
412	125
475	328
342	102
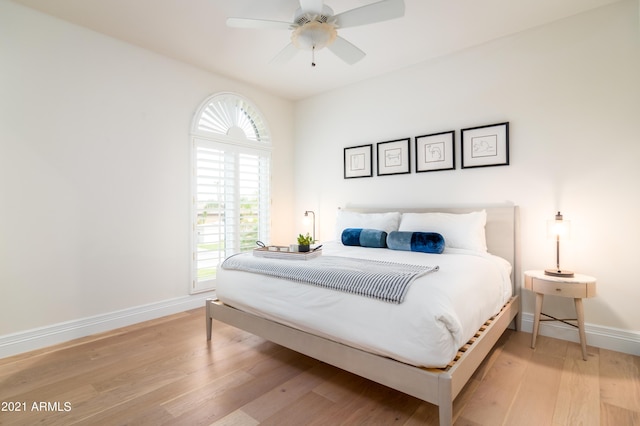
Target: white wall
94	171
571	92
94	158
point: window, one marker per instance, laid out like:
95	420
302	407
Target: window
231	156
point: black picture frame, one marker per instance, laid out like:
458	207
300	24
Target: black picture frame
435	152
393	157
358	161
485	146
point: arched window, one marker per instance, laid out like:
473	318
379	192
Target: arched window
231	159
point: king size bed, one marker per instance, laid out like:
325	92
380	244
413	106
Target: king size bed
424	336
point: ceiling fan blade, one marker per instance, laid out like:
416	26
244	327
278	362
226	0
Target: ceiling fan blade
371	13
346	51
285	54
313	6
258	24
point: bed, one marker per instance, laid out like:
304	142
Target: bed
435	368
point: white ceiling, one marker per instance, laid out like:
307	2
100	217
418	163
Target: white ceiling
194	31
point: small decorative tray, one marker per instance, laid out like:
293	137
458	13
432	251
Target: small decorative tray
282	252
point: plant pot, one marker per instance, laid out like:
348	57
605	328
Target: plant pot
303	247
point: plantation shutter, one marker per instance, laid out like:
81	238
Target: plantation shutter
231	175
232	204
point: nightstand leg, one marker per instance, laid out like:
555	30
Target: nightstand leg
536	319
583	336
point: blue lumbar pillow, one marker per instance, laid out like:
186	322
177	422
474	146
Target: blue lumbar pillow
351	236
373	238
364	237
425	242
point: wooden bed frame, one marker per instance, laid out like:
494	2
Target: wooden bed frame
437	386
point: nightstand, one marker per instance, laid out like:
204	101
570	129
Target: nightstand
578	287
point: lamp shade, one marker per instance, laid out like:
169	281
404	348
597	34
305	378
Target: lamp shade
559	228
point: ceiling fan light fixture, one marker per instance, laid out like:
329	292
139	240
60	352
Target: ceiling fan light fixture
314	35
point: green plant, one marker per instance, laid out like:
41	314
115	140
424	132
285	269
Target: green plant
305	240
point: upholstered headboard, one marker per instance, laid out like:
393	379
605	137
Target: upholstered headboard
502	229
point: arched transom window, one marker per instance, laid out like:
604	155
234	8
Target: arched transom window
231	115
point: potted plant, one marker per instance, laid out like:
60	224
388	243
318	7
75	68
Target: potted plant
304	242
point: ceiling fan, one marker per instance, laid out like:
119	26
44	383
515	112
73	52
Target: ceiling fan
315	26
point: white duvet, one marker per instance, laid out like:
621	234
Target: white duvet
441	311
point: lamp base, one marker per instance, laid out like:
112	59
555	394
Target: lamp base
558	273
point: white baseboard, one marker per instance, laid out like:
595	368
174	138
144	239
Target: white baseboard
599	336
16	343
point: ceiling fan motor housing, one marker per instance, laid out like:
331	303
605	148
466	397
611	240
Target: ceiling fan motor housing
301	17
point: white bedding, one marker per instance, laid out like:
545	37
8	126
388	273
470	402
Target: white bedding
440	313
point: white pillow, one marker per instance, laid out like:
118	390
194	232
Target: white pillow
462	231
380	221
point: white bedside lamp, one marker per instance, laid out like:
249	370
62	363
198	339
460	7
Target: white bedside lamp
558	228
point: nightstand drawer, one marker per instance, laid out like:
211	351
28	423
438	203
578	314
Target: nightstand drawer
559	288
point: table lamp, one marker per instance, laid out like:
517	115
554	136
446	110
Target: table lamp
306	215
556	229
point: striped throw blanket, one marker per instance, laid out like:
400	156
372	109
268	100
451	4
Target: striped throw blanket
387	281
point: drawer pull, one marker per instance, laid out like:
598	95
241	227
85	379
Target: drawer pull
558	289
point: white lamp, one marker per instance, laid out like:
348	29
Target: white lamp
558	228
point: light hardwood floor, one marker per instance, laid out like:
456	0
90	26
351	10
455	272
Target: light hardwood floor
165	372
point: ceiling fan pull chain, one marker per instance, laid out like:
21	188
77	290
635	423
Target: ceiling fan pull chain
313	55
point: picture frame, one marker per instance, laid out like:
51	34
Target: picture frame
485	146
435	152
358	161
393	157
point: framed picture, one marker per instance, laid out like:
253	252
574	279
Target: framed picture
485	146
393	157
358	161
435	152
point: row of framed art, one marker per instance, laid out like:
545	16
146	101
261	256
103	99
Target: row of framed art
480	146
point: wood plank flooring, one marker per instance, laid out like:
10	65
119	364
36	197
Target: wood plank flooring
164	372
